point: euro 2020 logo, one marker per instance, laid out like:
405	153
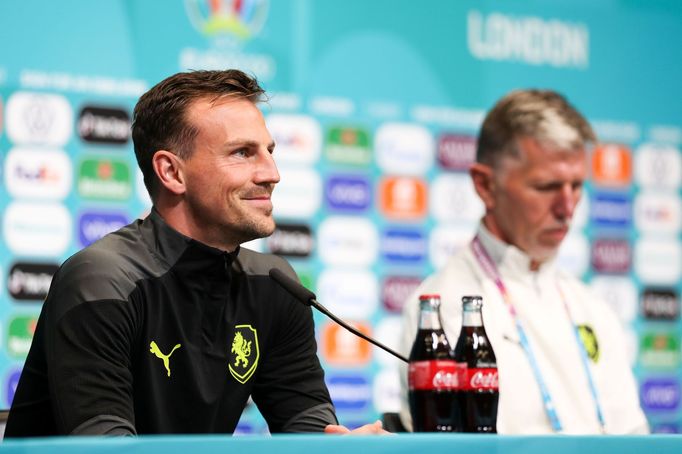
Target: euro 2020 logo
239	19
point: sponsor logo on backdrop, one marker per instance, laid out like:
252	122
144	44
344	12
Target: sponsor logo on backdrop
619	292
298	194
395	291
39	174
658	261
349	294
657	212
660	304
386	391
39	118
574	254
30	281
388	332
103	178
403	197
611	255
658	166
11	385
292	240
660	394
453	199
611	165
93	225
347	241
403	245
456	152
348	145
531	40
404	149
106	125
446	240
298	138
20	335
349	392
37	229
343	348
611	210
660	351
348	193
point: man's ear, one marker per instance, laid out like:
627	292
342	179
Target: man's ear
484	183
169	169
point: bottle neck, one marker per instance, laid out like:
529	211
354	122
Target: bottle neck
472	318
428	317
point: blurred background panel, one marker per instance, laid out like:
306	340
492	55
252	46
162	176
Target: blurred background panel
375	108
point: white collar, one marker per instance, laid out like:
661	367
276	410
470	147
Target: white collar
509	259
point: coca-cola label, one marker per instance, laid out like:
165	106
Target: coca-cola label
481	378
437	375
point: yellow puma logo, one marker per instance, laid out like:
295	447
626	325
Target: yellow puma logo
153	348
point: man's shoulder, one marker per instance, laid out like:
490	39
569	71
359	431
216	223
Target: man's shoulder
107	269
115	251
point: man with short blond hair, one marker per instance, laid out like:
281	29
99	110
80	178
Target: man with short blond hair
561	352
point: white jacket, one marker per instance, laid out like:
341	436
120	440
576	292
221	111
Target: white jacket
550	332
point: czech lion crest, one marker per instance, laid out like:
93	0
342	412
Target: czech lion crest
244	353
589	340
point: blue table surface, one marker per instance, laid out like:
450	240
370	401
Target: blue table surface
328	444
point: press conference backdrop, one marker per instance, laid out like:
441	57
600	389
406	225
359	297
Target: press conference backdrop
375	108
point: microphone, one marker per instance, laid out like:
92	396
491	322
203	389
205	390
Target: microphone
307	297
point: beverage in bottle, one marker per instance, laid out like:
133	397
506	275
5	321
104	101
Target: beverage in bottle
479	395
433	375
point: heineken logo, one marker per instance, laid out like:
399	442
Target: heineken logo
102	178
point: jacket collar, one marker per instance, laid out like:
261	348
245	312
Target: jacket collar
170	246
509	259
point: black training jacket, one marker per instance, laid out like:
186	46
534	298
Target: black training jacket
148	331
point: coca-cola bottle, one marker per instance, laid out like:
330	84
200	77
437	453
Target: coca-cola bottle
480	394
433	376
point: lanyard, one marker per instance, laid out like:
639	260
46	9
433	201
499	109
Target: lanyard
491	270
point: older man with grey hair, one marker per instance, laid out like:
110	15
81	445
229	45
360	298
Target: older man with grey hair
561	352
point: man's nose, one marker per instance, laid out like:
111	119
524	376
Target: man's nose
566	202
266	171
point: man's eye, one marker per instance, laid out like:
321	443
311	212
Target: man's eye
545	188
